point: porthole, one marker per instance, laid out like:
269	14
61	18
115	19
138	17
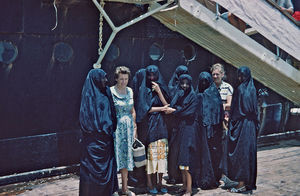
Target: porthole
63	52
8	52
189	53
156	52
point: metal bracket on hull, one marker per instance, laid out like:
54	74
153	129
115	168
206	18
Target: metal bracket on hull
115	29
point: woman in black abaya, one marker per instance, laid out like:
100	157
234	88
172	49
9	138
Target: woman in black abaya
184	105
210	117
174	175
243	128
98	169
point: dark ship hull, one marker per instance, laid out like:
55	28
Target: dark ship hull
43	70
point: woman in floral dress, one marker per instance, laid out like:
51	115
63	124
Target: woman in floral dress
126	127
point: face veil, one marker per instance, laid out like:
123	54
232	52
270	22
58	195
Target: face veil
244	100
204	81
181	69
210	103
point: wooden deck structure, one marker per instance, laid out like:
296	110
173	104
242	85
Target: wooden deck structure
197	23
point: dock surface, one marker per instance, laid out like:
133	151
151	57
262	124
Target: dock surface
278	174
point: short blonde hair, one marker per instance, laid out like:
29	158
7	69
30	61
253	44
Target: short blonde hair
218	66
122	70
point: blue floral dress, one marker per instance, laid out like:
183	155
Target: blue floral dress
125	128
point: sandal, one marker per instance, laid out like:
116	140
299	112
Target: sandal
162	189
238	190
152	191
181	190
228	183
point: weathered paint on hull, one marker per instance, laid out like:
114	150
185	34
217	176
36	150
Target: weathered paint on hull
41	88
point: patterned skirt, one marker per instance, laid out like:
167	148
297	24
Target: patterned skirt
181	167
157	156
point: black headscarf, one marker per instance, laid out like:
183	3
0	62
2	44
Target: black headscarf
144	96
97	113
136	83
210	100
181	69
244	102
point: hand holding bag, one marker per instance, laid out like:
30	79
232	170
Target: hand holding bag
139	153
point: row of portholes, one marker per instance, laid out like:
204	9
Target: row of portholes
156	52
62	52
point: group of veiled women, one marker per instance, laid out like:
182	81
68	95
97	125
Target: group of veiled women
181	128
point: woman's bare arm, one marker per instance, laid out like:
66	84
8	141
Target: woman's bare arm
159	109
228	102
156	87
134	122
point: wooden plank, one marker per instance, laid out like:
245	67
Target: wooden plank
250	31
197	23
269	21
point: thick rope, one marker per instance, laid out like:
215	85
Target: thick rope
55	8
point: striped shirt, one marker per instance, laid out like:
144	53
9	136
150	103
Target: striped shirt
225	89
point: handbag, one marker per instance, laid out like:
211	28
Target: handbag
139	153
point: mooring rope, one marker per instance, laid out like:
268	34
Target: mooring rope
55	8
